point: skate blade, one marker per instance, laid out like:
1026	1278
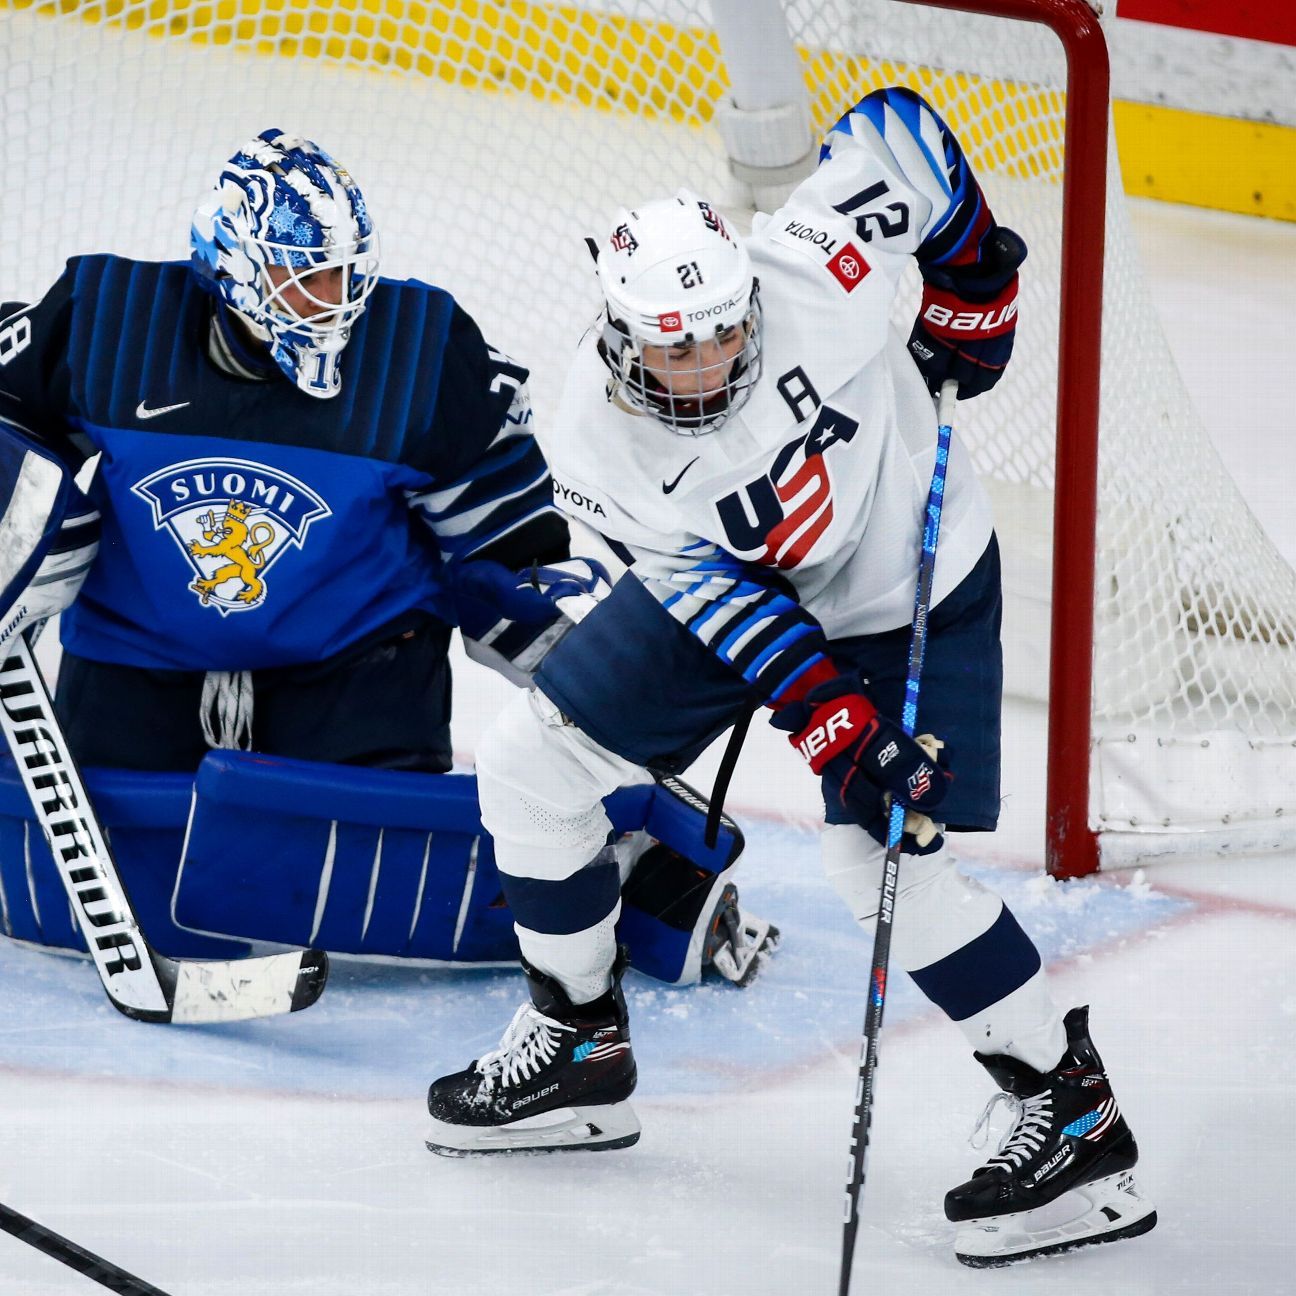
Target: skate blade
566	1129
1106	1210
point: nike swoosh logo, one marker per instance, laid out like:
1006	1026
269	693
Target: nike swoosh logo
142	411
666	490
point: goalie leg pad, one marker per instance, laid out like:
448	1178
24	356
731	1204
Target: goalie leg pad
367	862
360	861
145	816
373	862
680	908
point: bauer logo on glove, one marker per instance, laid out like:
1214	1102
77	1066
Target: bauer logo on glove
839	733
823	736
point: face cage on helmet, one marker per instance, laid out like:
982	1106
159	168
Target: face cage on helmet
689	415
329	330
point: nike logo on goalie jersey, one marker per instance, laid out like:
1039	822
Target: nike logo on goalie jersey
142	411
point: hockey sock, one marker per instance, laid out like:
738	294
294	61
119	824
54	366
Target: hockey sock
1025	1024
961	945
581	962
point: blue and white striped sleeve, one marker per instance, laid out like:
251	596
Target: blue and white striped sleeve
907	134
743	614
505	491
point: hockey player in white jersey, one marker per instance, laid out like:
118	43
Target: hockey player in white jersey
756	444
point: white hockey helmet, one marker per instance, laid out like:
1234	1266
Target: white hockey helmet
675	278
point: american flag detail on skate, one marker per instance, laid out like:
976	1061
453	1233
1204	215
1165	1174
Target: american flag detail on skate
589	1051
1093	1125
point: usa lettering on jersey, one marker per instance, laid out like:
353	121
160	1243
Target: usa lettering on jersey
778	518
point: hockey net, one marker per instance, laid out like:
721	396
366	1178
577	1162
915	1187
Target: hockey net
489	137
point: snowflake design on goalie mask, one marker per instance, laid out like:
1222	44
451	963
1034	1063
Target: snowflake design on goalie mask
282	201
359	207
288	227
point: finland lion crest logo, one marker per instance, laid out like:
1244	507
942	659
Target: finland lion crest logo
232	519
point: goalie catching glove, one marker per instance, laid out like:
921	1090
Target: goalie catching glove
968	318
511	620
839	731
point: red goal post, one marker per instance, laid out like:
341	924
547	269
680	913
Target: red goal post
1071	844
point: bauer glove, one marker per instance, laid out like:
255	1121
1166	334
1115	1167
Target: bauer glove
838	731
968	318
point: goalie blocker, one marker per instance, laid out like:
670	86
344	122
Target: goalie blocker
367	862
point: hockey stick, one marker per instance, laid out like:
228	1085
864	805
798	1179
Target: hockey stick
96	1268
140	982
895	829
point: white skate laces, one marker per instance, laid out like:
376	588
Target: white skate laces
529	1043
1034	1116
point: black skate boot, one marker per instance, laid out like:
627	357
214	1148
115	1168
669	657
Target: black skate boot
1063	1176
558	1081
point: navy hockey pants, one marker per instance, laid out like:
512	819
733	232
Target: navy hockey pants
642	686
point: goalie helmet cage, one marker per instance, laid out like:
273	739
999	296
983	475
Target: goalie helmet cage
490	137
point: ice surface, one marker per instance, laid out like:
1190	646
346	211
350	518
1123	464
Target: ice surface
285	1156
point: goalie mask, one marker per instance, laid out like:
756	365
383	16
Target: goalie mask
682	333
285	240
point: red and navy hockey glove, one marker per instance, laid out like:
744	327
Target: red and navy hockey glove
968	319
838	730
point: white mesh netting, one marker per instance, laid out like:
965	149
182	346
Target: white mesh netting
489	137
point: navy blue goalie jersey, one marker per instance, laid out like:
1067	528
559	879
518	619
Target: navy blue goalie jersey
245	524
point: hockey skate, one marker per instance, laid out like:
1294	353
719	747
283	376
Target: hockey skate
736	940
1063	1175
558	1081
723	937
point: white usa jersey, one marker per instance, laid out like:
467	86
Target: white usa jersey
821	479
